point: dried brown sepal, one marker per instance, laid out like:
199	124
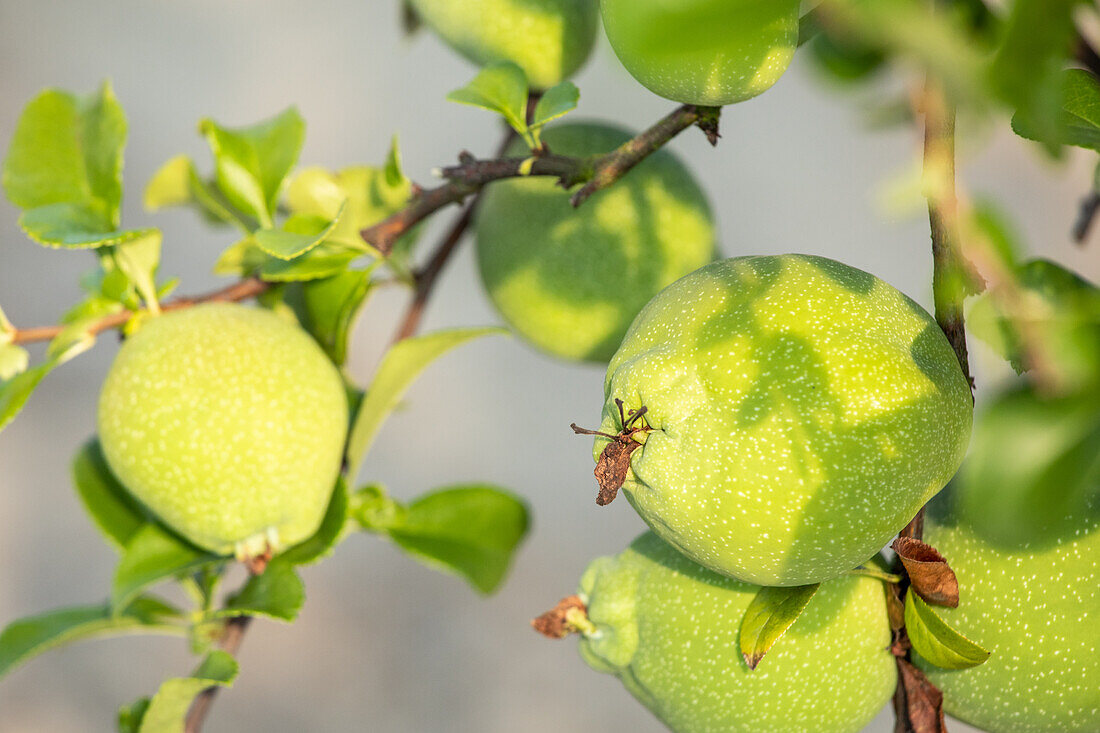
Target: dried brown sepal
257	565
555	624
895	606
614	462
708	123
929	574
918	703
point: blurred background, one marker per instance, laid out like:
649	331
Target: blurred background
384	644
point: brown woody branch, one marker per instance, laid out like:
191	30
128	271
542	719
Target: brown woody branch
242	290
471	175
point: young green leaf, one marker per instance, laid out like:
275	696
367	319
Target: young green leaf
138	260
117	515
170	185
168	708
471	531
252	162
130	716
321	544
15	392
1079	121
300	234
32	636
276	593
374	510
153	555
68	150
323	261
500	88
936	641
73	226
556	102
399	368
327	308
769	615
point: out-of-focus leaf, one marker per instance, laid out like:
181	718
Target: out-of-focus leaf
117	515
139	259
1078	120
32	636
14	360
327	308
153	555
399	368
300	233
276	593
74	226
323	261
471	531
252	162
129	716
168	708
936	641
770	613
15	392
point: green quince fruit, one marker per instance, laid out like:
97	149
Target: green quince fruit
707	52
668	629
1030	596
786	416
228	423
549	39
571	280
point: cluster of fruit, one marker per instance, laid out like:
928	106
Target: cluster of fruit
774	420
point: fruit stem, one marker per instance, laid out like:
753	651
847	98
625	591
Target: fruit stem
874	573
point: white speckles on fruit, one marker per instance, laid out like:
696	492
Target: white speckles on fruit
707	52
571	280
228	423
548	39
803	411
668	629
1035	607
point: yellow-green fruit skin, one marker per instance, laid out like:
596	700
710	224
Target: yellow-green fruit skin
1036	608
549	39
707	52
570	280
668	629
228	423
802	412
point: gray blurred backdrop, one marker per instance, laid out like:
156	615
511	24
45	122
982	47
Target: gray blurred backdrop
384	644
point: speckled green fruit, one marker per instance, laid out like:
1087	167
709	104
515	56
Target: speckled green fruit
668	629
569	280
802	412
708	52
228	423
548	39
1035	605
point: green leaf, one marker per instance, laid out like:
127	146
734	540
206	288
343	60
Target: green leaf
320	262
399	368
500	88
300	234
168	708
471	531
769	615
1078	123
15	392
276	593
152	555
68	150
170	185
74	226
321	544
32	636
556	102
117	514
1027	67
251	163
138	260
130	716
372	508
14	360
242	258
327	308
937	642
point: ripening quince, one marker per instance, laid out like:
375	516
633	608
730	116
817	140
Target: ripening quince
668	629
1030	596
570	280
228	423
706	52
797	414
548	39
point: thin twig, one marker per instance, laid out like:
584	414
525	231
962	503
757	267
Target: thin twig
230	642
470	175
241	290
1090	206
